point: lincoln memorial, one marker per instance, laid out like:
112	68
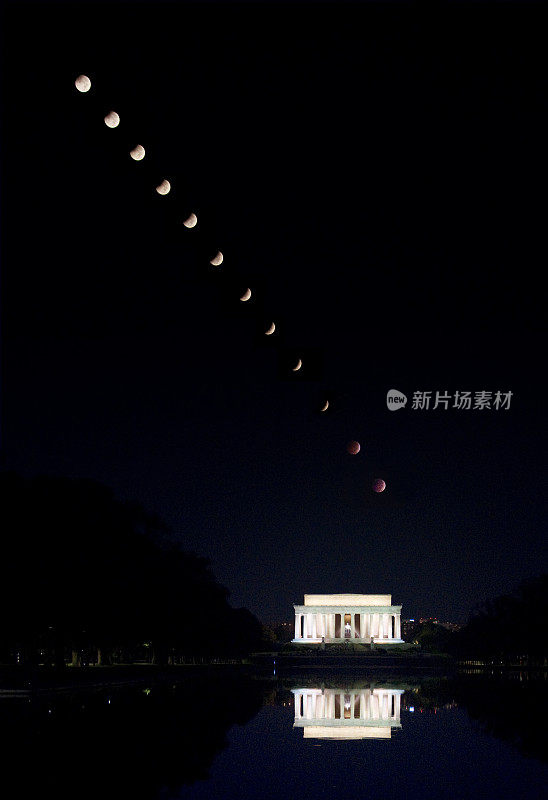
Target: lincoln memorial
364	713
342	617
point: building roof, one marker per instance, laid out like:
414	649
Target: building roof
348	600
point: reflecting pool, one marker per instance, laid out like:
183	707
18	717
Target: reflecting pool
225	734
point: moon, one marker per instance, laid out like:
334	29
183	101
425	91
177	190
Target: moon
112	120
138	153
379	485
164	187
353	448
271	330
218	260
326	406
299	365
246	295
82	83
191	221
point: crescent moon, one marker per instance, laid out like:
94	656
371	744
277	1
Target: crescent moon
326	406
271	330
191	221
218	260
82	83
246	295
112	120
164	187
299	365
138	153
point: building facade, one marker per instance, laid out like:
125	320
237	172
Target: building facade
342	617
358	713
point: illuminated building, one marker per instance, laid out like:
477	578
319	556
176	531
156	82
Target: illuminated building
342	617
347	714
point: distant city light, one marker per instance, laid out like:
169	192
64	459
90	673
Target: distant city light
411	708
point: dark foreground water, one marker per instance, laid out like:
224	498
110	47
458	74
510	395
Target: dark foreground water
304	737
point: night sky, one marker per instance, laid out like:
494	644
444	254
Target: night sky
376	173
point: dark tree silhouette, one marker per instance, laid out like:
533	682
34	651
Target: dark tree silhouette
510	627
83	570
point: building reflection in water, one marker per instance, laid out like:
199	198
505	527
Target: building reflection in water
347	714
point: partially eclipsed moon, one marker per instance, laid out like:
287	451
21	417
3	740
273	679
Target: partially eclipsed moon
353	448
164	187
218	260
246	295
271	330
112	120
326	406
138	153
379	485
191	221
299	365
82	83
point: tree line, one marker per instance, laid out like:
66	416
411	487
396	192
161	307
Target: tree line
510	628
85	576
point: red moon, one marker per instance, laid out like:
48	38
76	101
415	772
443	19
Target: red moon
353	448
379	485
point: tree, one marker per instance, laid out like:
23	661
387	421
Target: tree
83	569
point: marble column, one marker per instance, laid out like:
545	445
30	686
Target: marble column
374	706
330	707
397	706
367	704
398	626
309	714
298	706
297	626
352	626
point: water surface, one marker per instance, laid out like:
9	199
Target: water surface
221	735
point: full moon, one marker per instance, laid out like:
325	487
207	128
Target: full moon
164	187
191	221
379	485
112	120
246	295
82	83
271	330
138	153
299	365
218	260
353	448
